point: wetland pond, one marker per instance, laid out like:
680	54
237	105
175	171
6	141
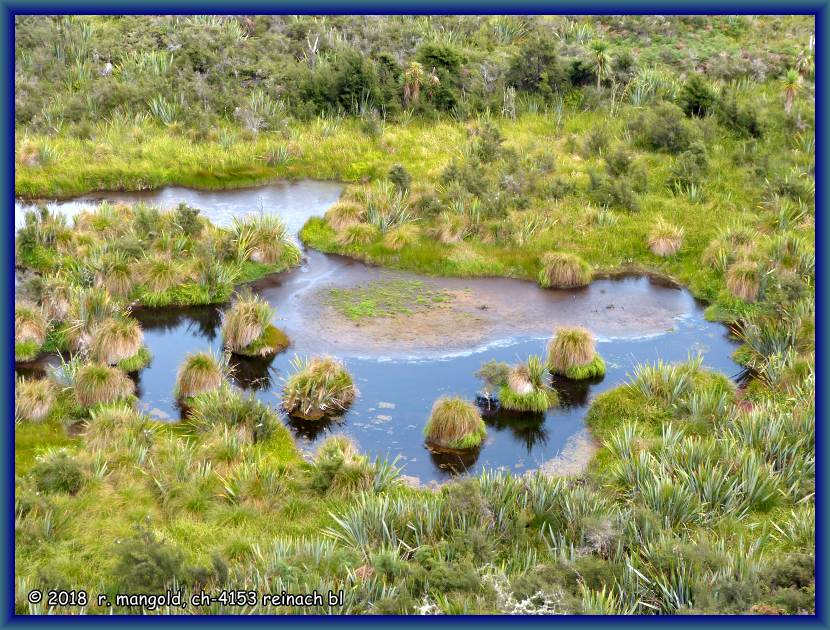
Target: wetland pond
433	345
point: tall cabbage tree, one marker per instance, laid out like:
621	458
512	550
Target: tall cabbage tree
602	60
791	85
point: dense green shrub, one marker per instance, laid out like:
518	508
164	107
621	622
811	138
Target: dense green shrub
58	471
696	97
741	118
145	564
443	88
536	68
691	165
664	128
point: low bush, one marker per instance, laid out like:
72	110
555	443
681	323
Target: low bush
58	471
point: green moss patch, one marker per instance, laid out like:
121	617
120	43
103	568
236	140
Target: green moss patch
385	298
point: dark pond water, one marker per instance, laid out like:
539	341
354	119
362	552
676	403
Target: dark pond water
636	320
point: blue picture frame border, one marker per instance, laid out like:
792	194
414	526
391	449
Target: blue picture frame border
10	9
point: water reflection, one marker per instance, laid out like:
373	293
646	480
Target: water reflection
527	429
452	463
253	373
574	393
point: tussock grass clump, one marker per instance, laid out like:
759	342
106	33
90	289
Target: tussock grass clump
265	239
319	387
33	399
113	271
665	239
399	237
225	407
358	234
110	426
340	468
451	228
56	297
115	340
57	470
159	273
743	279
572	354
199	373
344	214
563	271
30	328
98	384
526	388
455	423
247	328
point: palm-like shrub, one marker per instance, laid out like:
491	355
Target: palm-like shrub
665	239
30	328
571	353
526	388
199	373
98	384
455	423
319	387
563	271
247	328
743	279
33	399
224	407
115	340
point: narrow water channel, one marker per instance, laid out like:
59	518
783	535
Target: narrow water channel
402	364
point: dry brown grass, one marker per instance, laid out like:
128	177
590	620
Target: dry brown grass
344	214
665	239
116	339
199	373
33	399
30	324
743	279
519	379
245	322
98	384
